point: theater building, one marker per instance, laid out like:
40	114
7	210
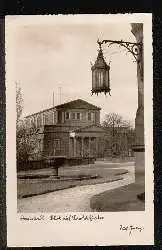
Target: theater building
71	129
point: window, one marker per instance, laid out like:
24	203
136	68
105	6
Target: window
32	121
27	122
38	121
73	116
90	116
78	116
67	115
45	119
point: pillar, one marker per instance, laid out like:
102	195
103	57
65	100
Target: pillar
56	117
63	117
53	115
82	146
89	147
74	146
139	148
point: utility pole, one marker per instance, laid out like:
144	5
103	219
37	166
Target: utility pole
53	99
53	107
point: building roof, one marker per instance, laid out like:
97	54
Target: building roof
91	127
39	112
63	128
78	103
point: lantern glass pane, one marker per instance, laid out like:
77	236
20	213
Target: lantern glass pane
99	79
97	76
96	79
107	78
102	78
93	79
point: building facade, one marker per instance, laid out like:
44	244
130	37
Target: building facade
71	129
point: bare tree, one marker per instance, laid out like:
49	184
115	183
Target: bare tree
19	103
121	134
113	120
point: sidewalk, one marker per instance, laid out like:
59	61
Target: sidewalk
117	160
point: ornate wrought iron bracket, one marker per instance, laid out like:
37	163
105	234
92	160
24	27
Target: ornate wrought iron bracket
134	48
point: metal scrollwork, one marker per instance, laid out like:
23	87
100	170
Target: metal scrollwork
134	48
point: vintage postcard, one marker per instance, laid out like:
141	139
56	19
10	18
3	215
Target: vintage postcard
79	134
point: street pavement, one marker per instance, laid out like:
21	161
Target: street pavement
75	199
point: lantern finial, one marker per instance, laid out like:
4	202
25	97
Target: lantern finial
99	43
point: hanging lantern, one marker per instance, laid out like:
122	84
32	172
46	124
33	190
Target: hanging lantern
100	75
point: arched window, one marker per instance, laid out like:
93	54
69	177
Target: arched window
67	115
91	116
38	121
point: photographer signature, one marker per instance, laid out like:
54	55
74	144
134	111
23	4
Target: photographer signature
131	228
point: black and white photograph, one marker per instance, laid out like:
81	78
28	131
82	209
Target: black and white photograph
80	115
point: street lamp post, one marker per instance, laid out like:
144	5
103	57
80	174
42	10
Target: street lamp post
101	83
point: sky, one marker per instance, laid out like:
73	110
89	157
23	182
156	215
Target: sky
58	54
